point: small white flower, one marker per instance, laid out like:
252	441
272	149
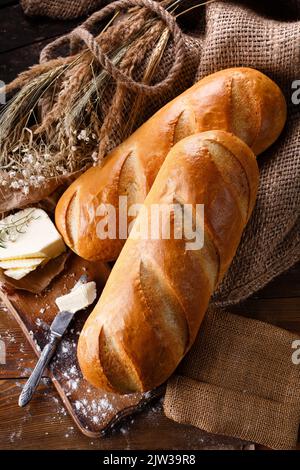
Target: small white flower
95	156
4	183
14	185
30	158
12	174
25	173
25	190
83	135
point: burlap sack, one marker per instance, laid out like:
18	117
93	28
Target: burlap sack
70	9
63	10
239	380
238	36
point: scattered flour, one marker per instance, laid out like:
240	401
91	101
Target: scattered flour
8	337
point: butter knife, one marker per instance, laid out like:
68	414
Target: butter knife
57	330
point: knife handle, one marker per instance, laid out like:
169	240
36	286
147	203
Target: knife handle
37	373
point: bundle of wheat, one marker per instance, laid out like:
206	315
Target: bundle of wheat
59	122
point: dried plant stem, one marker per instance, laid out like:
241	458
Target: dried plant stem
35	72
54	124
193	7
151	67
73	81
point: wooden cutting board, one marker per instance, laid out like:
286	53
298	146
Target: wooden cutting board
94	412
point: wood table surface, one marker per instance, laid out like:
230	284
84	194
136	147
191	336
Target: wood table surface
45	424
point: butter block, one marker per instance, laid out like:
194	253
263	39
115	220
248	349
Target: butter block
37	237
78	298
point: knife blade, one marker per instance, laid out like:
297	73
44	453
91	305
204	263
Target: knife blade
57	329
61	323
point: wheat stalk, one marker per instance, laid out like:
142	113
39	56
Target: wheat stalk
66	139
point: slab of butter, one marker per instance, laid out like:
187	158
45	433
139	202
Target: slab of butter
18	273
35	242
80	297
19	268
21	263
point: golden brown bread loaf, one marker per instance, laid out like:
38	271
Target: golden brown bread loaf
239	100
153	303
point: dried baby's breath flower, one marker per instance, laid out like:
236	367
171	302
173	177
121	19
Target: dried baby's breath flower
95	156
62	102
14	185
25	190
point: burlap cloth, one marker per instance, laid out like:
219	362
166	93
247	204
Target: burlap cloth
238	379
61	9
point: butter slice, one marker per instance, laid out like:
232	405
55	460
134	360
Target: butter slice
80	297
22	263
18	273
39	238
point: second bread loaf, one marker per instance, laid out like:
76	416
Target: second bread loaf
154	301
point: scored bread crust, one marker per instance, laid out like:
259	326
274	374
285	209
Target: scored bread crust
152	306
239	100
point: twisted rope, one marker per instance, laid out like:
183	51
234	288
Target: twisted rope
82	33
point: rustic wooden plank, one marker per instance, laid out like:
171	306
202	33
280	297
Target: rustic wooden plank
18	30
20	358
91	409
44	424
12	63
285	285
284	312
5	3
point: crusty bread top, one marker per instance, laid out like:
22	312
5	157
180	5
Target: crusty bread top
239	100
